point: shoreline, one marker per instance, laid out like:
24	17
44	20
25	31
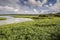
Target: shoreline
13	20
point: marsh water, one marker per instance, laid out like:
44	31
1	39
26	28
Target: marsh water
11	19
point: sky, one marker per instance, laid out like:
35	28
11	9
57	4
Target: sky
29	6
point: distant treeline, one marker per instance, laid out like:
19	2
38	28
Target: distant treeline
40	15
50	15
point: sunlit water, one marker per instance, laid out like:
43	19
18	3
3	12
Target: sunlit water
13	20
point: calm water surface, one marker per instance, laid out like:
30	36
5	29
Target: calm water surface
13	20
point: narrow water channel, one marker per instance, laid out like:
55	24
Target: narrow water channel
13	20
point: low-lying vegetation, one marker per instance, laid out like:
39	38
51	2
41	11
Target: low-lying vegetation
18	16
50	15
1	18
44	27
39	29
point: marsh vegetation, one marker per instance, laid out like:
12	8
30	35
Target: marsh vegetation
42	28
2	18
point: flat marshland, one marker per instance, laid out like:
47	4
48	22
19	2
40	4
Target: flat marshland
41	28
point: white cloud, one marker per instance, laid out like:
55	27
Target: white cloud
44	11
50	4
36	3
12	5
7	8
35	11
56	7
44	1
52	8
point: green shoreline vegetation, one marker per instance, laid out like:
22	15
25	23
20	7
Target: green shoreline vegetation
2	18
42	28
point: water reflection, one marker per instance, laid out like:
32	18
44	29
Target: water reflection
13	20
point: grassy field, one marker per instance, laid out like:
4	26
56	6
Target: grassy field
18	16
39	29
1	18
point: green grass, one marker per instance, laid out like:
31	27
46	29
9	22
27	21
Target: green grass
19	16
32	17
1	18
39	29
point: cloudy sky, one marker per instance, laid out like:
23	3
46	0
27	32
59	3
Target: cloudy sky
29	6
